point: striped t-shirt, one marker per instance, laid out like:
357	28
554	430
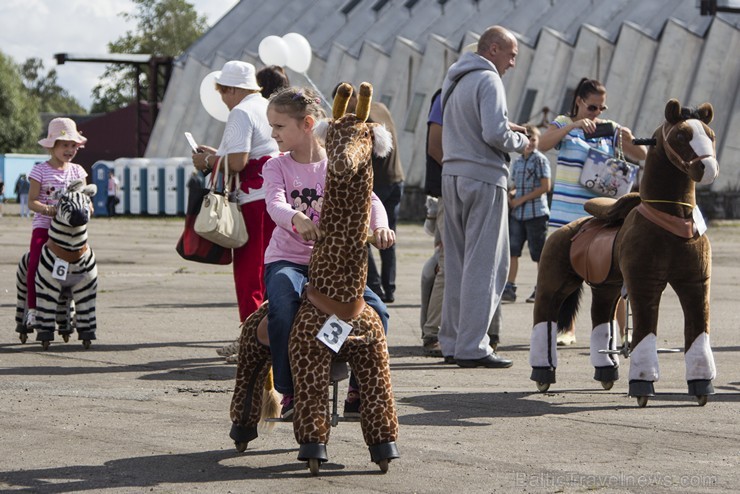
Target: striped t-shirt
568	195
54	183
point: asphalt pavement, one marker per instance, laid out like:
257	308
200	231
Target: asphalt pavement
146	408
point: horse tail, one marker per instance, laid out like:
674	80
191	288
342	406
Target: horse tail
569	309
270	403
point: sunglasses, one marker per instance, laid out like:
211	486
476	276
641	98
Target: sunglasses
593	108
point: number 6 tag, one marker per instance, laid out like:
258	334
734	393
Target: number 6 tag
60	270
334	333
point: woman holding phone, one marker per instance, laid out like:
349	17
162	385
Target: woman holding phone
247	142
572	135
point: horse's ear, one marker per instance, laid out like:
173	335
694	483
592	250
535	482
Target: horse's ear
706	113
673	111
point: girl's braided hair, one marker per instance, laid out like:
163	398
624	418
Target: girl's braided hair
298	102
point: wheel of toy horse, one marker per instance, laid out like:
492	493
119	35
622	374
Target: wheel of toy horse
23	337
86	344
241	446
542	387
313	465
383	464
642	401
607	385
702	400
65	337
45	344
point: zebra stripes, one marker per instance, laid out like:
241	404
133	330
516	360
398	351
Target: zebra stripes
67	243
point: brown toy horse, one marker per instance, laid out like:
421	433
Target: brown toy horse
658	239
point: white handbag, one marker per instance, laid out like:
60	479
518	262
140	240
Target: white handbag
607	176
220	220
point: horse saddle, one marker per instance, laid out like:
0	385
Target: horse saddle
591	250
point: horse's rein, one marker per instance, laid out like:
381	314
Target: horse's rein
669	149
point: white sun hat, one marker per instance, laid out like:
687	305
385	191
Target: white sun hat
238	74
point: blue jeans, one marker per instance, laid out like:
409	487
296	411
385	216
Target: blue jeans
284	283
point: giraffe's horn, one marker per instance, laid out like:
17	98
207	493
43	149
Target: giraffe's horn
363	102
344	92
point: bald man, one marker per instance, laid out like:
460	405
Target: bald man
476	137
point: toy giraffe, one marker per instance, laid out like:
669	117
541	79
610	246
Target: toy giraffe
338	275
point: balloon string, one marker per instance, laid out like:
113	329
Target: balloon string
324	101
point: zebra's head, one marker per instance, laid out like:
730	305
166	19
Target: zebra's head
74	206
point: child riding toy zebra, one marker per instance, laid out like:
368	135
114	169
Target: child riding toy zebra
67	276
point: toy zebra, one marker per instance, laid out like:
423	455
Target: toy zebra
67	275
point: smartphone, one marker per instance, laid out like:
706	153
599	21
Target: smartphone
191	141
605	129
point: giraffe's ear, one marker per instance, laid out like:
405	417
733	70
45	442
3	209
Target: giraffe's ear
321	128
382	140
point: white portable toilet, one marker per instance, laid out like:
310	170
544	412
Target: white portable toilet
174	184
121	173
153	188
138	188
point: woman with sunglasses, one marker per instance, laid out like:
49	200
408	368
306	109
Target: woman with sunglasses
567	134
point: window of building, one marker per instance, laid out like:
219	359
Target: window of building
412	117
567	100
526	112
349	6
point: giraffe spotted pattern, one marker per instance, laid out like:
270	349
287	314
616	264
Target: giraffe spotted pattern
338	269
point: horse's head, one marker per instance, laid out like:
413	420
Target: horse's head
350	139
689	142
73	208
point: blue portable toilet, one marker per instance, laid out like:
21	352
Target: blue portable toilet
100	178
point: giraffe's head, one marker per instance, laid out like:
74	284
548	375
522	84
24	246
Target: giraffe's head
350	140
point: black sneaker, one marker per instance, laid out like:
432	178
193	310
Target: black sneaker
530	299
352	406
286	412
509	294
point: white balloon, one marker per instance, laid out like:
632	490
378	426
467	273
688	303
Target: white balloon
211	99
299	52
273	51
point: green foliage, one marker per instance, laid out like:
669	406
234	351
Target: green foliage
19	125
164	28
52	97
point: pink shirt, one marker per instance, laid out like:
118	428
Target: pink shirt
293	187
54	184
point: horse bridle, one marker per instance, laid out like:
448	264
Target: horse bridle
669	149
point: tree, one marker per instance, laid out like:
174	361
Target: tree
52	97
20	124
164	28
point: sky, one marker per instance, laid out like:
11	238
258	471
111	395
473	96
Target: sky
41	28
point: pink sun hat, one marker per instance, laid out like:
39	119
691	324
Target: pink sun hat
62	129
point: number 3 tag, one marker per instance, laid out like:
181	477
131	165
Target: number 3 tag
334	333
60	270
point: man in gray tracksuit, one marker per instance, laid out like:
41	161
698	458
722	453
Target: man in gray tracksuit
476	138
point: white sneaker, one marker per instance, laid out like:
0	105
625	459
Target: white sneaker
31	318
